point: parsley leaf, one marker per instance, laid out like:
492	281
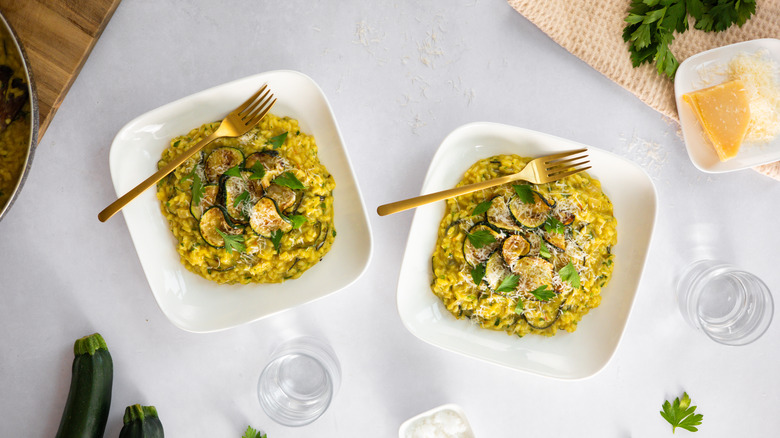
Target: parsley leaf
544	251
519	307
278	141
233	242
478	273
553	225
481	208
276	239
651	25
509	284
258	171
569	273
288	179
681	414
524	192
197	189
233	171
241	198
481	238
297	220
252	433
541	293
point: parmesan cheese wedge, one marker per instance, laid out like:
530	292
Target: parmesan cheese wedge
724	113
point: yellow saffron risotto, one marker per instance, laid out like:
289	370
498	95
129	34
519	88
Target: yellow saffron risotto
258	208
524	258
15	120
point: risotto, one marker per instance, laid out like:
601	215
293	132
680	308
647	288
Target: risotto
257	208
524	258
14	122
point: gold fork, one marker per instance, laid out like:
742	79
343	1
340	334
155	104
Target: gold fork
538	171
236	124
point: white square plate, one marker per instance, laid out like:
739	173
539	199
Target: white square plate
565	355
190	301
689	78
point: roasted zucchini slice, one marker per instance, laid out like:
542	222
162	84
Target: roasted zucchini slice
273	163
284	197
475	256
499	216
215	219
495	270
534	272
564	217
208	200
513	248
542	314
237	198
558	240
220	160
530	215
265	218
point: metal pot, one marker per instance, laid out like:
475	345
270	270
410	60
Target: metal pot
14	49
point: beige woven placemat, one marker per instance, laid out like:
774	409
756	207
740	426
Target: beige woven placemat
592	30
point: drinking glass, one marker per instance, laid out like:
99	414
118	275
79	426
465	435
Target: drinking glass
299	382
731	306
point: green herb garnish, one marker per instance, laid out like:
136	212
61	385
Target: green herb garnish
241	198
197	189
525	193
509	284
680	414
553	225
258	171
481	208
569	273
233	171
276	239
542	293
278	141
233	242
297	220
544	251
652	23
519	307
478	273
481	238
252	433
288	179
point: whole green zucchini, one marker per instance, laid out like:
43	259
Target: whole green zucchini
141	422
89	399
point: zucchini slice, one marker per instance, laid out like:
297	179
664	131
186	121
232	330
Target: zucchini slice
542	314
534	272
273	163
284	197
220	160
208	200
236	198
531	215
564	217
213	219
475	256
265	218
513	248
499	216
495	270
558	240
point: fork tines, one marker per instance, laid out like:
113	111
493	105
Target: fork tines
567	163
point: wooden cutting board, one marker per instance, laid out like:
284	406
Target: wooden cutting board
57	36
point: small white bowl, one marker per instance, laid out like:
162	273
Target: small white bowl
689	78
190	301
405	431
566	355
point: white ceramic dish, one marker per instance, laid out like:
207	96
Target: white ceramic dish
405	431
565	355
190	301
689	78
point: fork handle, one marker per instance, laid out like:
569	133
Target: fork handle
406	204
152	180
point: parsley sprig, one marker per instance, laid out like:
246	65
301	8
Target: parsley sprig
233	242
481	238
569	273
542	293
478	273
651	25
252	433
681	414
481	208
278	141
509	284
525	193
288	179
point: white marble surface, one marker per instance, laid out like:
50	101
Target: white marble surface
400	75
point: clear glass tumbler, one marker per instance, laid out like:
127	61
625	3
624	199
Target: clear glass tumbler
299	382
731	306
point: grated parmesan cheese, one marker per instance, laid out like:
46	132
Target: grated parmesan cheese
759	75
